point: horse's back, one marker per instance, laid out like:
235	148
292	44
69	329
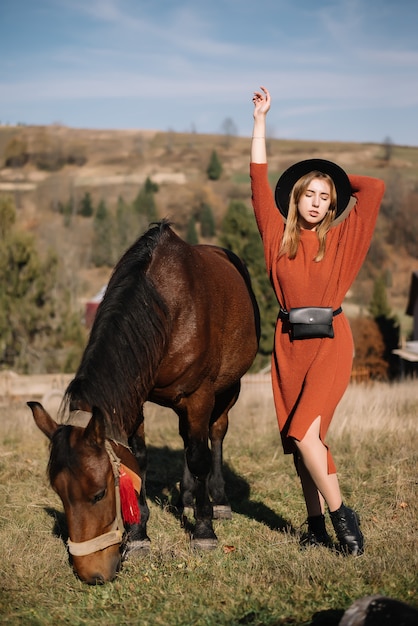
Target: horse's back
215	316
226	277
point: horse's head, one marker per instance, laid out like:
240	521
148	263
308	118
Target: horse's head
86	477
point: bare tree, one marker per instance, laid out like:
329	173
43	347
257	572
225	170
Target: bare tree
229	129
387	150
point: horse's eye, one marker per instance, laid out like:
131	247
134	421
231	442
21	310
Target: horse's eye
99	496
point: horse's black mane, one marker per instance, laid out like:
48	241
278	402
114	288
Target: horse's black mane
127	339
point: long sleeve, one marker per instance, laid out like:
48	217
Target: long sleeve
269	220
357	229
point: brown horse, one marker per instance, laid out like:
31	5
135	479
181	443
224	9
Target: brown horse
178	326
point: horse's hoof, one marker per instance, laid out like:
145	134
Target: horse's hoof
137	547
204	544
222	511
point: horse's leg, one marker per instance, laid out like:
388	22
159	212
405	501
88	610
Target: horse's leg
194	429
137	538
186	503
187	491
217	431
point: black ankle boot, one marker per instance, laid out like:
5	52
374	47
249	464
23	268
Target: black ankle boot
346	524
317	533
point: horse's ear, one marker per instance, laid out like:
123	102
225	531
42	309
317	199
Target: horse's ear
43	420
95	430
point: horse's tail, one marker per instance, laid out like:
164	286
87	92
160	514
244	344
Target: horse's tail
242	268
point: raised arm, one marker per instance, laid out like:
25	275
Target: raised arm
258	143
269	219
368	190
356	231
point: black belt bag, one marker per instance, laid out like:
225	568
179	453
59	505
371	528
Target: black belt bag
310	322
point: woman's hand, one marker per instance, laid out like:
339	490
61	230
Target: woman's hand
258	143
261	103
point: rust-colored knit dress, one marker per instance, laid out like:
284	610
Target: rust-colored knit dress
310	376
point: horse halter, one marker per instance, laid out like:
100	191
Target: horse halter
117	531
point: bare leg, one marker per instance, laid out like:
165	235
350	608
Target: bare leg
313	498
317	484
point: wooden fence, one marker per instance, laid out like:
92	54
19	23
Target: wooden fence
45	387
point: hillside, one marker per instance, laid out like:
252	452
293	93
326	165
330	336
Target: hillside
45	166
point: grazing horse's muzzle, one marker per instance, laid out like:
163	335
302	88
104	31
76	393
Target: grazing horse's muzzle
98	568
86	556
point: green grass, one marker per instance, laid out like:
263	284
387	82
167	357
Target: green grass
257	575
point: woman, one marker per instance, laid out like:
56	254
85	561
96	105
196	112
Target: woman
312	263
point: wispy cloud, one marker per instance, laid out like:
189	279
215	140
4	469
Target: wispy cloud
193	58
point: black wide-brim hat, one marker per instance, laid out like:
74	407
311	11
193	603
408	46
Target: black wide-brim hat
294	172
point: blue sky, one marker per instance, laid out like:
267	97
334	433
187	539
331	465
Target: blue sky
339	70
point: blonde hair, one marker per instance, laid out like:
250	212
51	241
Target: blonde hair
291	236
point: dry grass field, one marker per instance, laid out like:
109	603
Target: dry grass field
258	575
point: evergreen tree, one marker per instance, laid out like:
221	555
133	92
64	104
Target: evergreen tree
127	227
150	186
7	217
86	205
34	323
102	248
66	211
191	233
237	226
214	169
144	203
207	221
379	305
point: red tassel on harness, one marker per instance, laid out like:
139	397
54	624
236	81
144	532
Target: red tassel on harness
128	499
